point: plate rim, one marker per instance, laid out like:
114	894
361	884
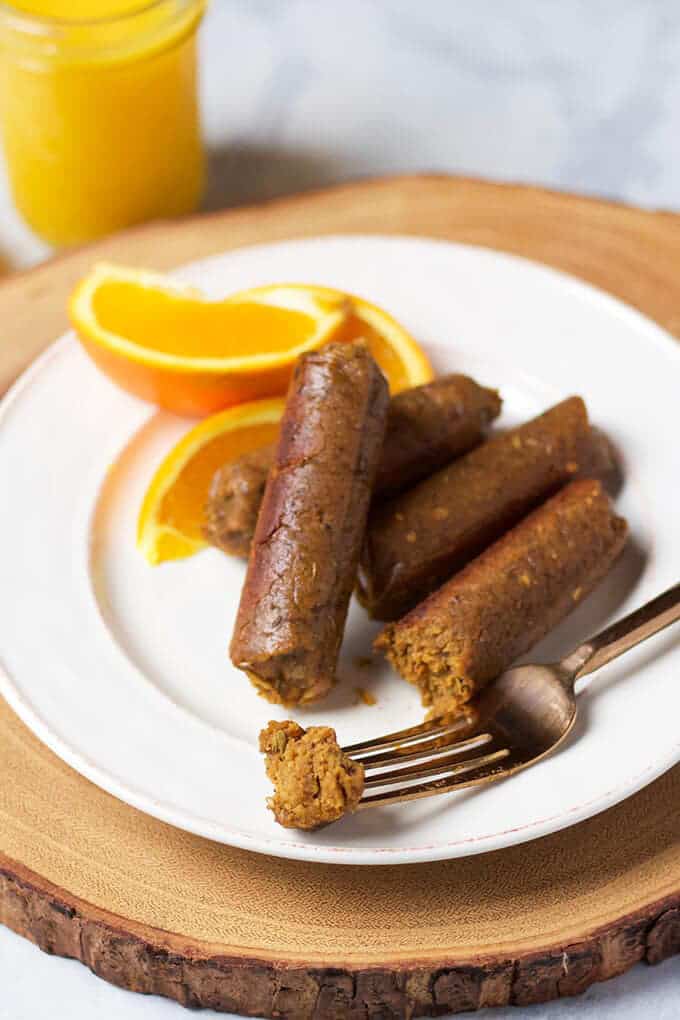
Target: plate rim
291	849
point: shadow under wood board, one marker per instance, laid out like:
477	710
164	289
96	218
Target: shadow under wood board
158	910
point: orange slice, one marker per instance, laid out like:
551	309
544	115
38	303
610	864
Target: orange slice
167	343
170	524
403	362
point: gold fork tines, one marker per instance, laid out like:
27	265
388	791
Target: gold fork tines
410	752
451	764
432	728
474	772
435	750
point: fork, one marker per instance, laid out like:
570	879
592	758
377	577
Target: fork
524	715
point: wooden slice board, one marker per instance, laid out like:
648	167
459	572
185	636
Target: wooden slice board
157	910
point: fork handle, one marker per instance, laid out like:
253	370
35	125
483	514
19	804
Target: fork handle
624	634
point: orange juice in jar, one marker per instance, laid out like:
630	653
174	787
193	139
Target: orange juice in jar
99	112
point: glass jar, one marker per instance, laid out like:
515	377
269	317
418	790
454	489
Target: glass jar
99	112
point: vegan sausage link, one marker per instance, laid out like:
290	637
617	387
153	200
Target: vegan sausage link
305	551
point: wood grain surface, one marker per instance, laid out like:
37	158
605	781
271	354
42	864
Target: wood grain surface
158	910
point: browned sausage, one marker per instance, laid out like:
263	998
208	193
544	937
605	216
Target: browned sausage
427	427
506	600
236	493
416	541
306	547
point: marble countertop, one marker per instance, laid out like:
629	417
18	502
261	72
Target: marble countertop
297	94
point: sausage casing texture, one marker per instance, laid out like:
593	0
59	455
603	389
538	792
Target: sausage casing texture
427	427
304	556
417	540
501	604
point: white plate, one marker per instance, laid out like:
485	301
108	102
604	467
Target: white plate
122	669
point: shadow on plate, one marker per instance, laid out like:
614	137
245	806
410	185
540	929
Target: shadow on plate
359	667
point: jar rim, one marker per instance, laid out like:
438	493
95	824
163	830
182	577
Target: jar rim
148	26
46	22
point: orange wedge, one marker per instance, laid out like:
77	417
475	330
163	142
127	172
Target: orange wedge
170	524
403	362
167	343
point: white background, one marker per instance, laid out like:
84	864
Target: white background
583	95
